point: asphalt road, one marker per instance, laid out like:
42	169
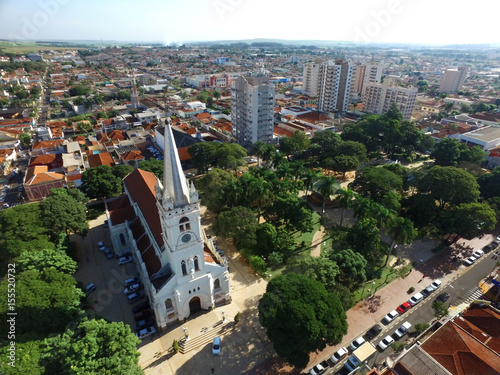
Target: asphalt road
464	288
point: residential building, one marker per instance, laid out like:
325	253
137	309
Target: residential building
38	181
218	80
311	77
453	79
371	74
379	97
252	109
160	223
334	85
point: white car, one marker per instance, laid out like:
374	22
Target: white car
403	330
339	355
470	260
316	370
436	284
385	342
125	260
357	343
390	317
132	288
143	333
478	254
416	299
101	246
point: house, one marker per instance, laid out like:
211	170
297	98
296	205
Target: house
38	181
159	222
101	158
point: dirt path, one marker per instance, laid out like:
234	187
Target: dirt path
317	241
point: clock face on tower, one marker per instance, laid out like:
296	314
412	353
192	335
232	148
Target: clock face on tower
186	238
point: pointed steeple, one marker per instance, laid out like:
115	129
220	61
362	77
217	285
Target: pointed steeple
176	190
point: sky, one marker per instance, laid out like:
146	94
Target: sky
434	22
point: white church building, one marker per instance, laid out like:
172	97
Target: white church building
159	223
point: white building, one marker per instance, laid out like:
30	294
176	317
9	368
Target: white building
252	110
311	78
379	97
486	138
159	223
453	79
218	80
334	85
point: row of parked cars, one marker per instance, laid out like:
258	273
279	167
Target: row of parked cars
479	253
143	315
124	259
157	154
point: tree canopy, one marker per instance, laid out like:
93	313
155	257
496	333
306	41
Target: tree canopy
63	213
299	310
100	182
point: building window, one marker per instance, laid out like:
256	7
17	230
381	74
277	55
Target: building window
168	304
216	284
122	239
183	268
196	264
184	224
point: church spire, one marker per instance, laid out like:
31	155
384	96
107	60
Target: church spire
176	190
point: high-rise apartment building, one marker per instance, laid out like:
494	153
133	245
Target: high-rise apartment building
311	77
364	74
379	97
252	109
453	79
334	85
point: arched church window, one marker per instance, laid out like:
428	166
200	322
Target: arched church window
184	224
184	268
216	284
196	264
168	304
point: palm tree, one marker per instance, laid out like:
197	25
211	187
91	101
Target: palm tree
259	193
309	178
327	186
401	231
362	207
346	197
259	149
232	192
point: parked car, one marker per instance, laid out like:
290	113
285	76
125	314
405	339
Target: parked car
132	288
141	307
478	254
101	246
357	343
416	299
443	297
436	284
5	205
403	330
142	315
489	247
143	333
390	317
385	342
135	297
470	260
374	331
316	370
145	323
125	260
109	253
427	291
90	288
132	280
404	307
216	346
339	355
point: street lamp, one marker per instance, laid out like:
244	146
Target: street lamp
373	288
223	316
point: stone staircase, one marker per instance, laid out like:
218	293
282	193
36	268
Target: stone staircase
204	338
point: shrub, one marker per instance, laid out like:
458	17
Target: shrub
258	264
237	317
421	327
398	347
275	259
175	346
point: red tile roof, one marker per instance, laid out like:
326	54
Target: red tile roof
40	174
103	158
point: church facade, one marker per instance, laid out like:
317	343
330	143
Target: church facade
159	222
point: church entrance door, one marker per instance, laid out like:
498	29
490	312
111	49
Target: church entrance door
194	305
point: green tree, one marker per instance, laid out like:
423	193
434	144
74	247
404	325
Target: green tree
352	267
238	222
364	238
25	139
259	194
122	170
290	209
298	142
321	269
346	197
440	309
375	182
100	182
93	347
468	219
28	357
258	149
154	166
266	239
489	183
258	264
345	163
79	90
203	155
46	258
447	152
46	301
229	156
212	186
300	310
449	185
63	213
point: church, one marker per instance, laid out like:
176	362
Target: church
159	222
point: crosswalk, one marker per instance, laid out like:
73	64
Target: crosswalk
472	295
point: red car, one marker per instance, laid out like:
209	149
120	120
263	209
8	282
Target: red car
142	315
403	308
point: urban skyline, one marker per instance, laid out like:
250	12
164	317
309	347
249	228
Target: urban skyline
393	21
